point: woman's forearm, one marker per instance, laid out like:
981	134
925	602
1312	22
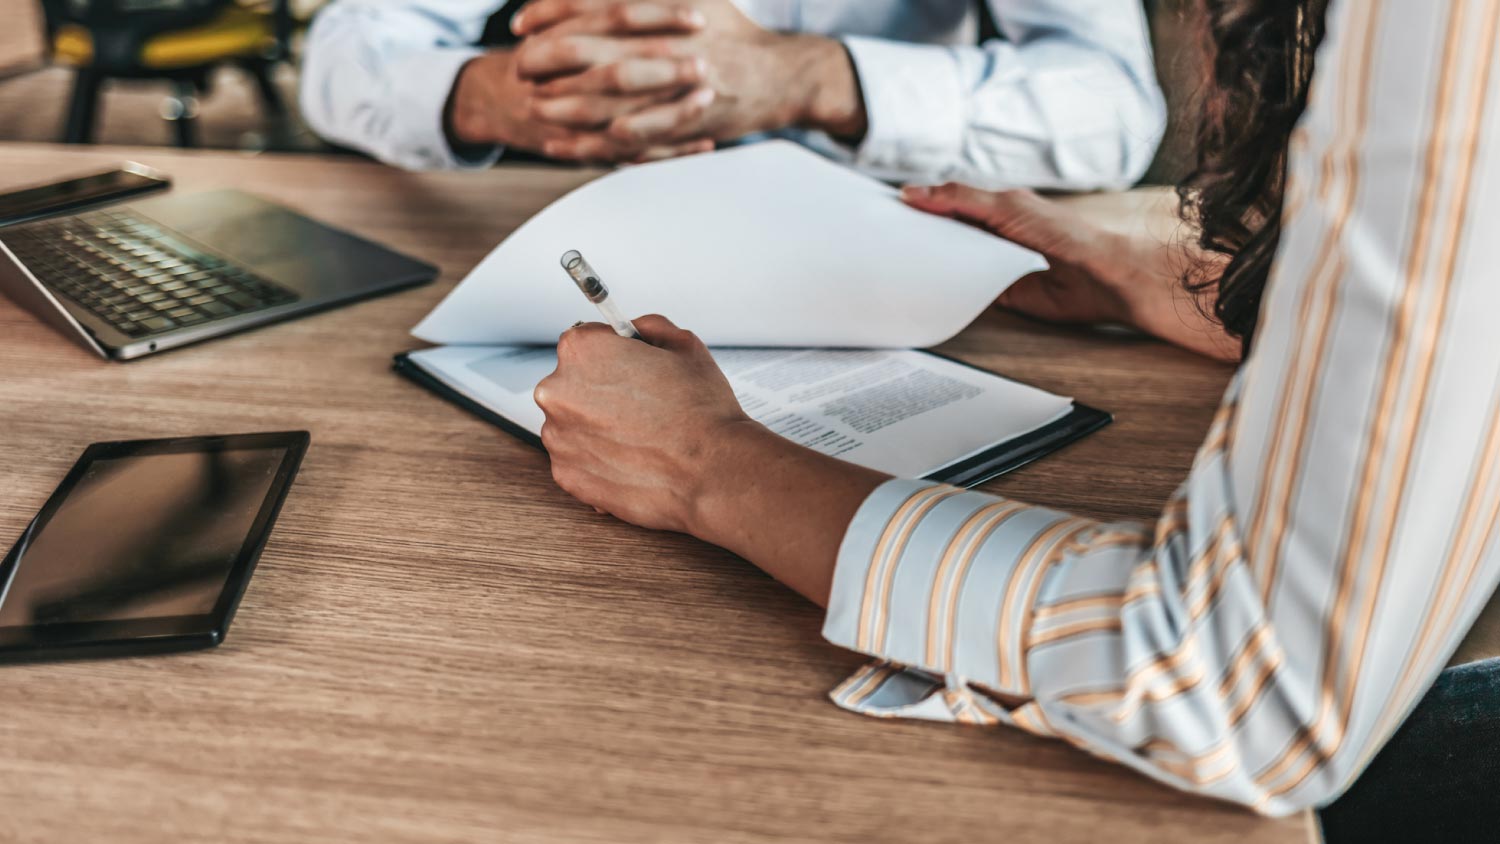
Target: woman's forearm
779	505
1162	306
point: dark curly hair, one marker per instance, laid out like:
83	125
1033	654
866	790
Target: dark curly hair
1261	53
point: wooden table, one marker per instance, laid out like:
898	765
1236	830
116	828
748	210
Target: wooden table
439	645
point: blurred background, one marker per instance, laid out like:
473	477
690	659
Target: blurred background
217	74
221	74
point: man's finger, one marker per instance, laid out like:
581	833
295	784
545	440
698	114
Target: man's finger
540	14
591	147
545	57
589	112
661	153
670	123
621	18
631	76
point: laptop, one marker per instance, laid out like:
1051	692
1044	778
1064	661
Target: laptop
153	275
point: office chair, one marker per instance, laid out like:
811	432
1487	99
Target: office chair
179	41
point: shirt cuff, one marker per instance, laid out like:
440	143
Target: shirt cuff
914	107
423	83
943	581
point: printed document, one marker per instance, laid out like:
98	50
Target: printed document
904	412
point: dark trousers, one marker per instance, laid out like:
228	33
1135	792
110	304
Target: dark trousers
1438	779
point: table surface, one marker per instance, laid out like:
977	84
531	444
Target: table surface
439	645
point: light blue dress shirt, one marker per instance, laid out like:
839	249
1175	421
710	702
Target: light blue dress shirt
1066	98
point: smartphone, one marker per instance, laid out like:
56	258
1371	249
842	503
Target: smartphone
127	180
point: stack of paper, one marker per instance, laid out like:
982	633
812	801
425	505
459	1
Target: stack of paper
764	245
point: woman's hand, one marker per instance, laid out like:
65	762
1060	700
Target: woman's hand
634	428
652	433
1096	275
1077	287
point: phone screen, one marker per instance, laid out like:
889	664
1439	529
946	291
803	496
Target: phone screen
73	194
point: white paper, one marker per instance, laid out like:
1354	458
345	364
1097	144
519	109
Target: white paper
763	245
903	412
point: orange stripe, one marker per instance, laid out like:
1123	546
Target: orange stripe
1066	544
1293	375
1093	698
1138	688
1262	677
880	610
1450	602
1226	554
1113	622
1218	431
1137	685
1172	521
1296	188
1023	566
1096	602
1200	566
1192	769
960	540
1312	738
1327	297
856	680
882	549
1144	581
1215	443
1425	344
950	643
1134	591
966	544
1029	717
871	684
982	715
1075	629
1441	616
1221	752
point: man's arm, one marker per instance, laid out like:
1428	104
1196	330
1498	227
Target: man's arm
1067	99
401	79
377	77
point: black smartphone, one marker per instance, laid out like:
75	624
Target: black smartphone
33	203
145	547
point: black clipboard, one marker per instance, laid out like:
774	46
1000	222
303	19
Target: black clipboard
971	472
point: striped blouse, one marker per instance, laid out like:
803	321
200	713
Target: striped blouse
1335	538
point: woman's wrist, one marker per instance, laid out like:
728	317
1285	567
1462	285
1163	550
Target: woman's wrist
721	478
779	505
1160	304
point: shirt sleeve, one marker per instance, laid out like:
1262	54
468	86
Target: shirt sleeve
377	74
1335	537
1067	99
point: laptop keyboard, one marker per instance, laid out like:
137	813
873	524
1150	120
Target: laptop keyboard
131	273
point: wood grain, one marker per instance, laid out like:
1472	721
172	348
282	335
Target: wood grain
441	646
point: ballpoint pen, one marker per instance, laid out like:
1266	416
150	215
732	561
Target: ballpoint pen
588	281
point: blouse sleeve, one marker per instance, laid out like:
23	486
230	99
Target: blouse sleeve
1334	539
